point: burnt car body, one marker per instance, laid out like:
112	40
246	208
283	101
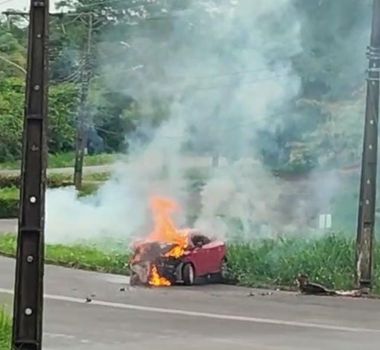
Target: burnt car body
203	257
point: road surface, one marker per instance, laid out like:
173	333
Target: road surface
203	317
8	226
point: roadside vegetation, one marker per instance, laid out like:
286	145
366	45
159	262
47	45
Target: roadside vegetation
9	189
86	256
66	160
5	330
265	263
320	128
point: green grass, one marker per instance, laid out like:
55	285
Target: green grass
328	260
266	263
82	256
64	160
5	330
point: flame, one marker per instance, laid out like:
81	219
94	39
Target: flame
165	231
176	252
164	228
156	280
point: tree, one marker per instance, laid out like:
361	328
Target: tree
11	117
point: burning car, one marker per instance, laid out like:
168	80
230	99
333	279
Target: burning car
170	256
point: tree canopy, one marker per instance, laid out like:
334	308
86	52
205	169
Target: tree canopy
129	41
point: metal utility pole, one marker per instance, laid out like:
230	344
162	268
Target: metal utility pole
81	138
28	299
367	198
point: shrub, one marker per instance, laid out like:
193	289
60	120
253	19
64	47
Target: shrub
9	199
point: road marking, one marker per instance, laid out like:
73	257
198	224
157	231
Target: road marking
202	314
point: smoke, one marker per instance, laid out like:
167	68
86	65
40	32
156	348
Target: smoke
224	68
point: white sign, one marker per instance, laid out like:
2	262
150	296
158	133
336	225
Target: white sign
325	221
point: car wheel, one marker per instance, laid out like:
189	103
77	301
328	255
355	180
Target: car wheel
188	274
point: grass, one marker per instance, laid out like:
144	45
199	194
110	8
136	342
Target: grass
5	330
82	256
328	260
11	193
266	263
65	160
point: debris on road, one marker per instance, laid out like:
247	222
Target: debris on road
311	288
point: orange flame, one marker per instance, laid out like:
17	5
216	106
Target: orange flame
156	280
165	231
164	228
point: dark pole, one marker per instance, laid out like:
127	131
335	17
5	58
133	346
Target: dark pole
28	299
367	198
82	122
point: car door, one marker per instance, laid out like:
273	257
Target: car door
199	257
213	257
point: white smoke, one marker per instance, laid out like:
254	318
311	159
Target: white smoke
227	71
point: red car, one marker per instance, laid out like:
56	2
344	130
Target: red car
203	258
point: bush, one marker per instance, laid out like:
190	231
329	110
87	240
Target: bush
9	199
53	181
10	181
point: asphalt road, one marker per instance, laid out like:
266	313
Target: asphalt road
203	317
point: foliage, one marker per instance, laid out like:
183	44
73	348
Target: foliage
9	199
11	117
53	181
5	330
63	102
61	122
322	126
12	51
